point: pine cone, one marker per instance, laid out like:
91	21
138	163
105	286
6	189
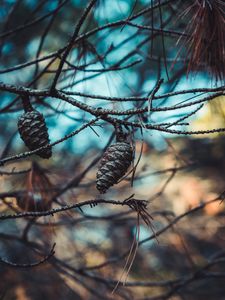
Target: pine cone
34	132
113	166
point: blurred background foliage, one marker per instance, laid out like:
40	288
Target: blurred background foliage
176	172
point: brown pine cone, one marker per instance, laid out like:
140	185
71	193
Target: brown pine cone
34	132
114	165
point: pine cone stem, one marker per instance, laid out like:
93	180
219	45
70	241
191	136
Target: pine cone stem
26	103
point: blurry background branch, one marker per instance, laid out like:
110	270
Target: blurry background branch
129	94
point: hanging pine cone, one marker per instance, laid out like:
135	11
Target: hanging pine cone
34	132
114	164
